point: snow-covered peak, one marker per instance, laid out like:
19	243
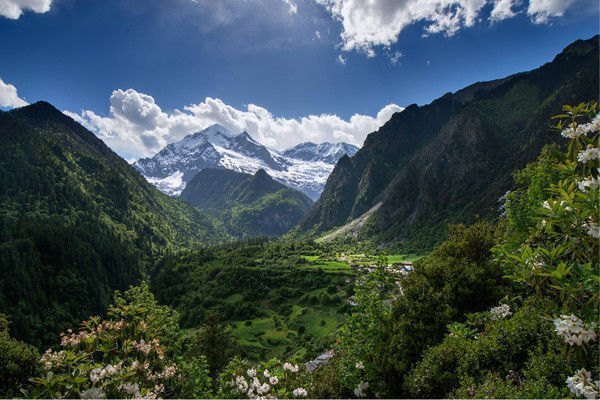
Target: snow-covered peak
216	129
215	134
328	152
304	167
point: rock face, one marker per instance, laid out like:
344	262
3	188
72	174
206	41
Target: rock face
449	160
304	167
249	205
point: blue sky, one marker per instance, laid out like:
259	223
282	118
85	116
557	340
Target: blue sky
176	53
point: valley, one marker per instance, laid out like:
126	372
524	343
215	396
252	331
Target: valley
453	255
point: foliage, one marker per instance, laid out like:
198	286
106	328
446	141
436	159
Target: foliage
270	379
216	342
76	223
272	296
521	207
119	357
194	379
549	249
457	279
364	337
560	258
249	205
18	362
462	363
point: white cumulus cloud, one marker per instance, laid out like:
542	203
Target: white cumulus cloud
369	24
541	11
9	97
13	9
137	127
504	9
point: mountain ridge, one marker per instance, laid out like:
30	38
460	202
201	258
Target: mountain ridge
455	154
77	222
249	205
304	167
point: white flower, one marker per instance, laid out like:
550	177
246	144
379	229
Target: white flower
110	369
500	312
595	124
361	389
131	389
300	392
592	229
96	374
241	384
255	382
273	380
359	365
266	373
589	183
563	204
93	393
573	330
573	132
589	154
581	384
251	372
536	264
168	372
263	389
289	367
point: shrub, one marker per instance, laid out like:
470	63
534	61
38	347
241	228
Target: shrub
120	357
18	362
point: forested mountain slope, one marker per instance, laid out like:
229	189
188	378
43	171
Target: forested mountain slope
250	205
451	160
76	222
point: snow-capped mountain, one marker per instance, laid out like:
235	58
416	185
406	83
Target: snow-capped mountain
326	152
304	167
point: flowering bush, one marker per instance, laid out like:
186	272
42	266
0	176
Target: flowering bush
120	357
560	257
361	345
478	365
272	379
550	250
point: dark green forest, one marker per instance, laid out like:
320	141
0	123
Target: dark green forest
249	205
76	223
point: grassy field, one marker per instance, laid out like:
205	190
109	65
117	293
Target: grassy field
326	265
277	335
297	326
394	258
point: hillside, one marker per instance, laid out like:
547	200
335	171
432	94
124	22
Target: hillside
249	205
76	222
451	160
